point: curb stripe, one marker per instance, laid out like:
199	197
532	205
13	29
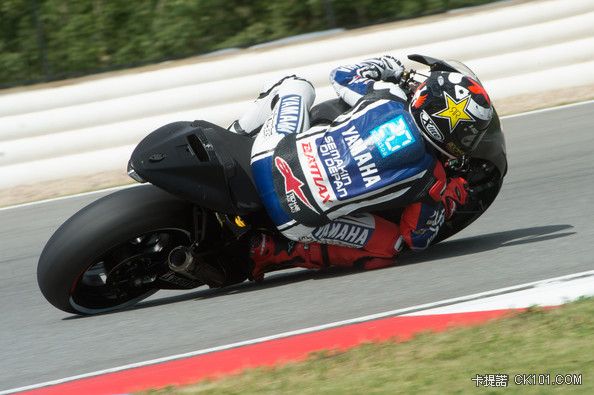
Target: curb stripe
377	316
268	353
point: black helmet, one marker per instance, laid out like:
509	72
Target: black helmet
453	111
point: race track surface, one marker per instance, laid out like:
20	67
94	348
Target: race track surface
540	227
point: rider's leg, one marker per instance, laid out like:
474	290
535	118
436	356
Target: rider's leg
365	241
290	115
260	109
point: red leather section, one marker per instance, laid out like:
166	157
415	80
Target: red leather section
383	239
268	254
409	221
437	190
378	263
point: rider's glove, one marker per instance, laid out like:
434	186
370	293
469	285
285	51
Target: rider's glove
384	68
455	195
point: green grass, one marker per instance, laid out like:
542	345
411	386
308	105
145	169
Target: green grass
557	341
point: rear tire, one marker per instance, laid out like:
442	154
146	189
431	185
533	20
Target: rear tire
106	231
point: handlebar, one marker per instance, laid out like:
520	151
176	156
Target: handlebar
407	81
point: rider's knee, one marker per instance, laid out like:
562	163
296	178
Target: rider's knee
300	87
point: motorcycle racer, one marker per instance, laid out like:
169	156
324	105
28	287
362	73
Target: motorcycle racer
386	153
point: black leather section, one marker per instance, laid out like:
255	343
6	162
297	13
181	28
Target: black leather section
299	202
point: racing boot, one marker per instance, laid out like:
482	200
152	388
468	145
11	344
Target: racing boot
268	254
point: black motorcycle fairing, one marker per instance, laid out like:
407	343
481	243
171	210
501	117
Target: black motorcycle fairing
492	146
200	162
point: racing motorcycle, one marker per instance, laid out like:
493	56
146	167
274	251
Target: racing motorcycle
191	227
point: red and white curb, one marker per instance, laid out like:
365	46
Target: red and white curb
292	346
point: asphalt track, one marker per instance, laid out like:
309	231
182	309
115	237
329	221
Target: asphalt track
539	227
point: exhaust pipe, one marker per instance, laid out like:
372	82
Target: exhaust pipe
181	260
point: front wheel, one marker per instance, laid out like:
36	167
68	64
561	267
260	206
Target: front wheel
109	254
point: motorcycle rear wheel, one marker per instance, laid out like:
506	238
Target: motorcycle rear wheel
107	256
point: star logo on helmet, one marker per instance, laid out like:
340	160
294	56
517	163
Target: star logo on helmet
455	111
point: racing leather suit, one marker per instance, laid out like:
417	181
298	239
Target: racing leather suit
320	184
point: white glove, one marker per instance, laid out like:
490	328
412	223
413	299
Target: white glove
383	68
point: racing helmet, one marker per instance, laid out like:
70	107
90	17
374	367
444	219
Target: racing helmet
453	111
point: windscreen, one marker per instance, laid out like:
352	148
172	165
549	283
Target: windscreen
463	69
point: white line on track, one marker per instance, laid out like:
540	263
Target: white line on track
548	109
391	313
113	189
57	199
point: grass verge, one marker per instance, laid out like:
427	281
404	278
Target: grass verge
558	341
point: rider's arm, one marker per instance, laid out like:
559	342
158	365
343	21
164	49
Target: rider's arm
420	222
352	82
